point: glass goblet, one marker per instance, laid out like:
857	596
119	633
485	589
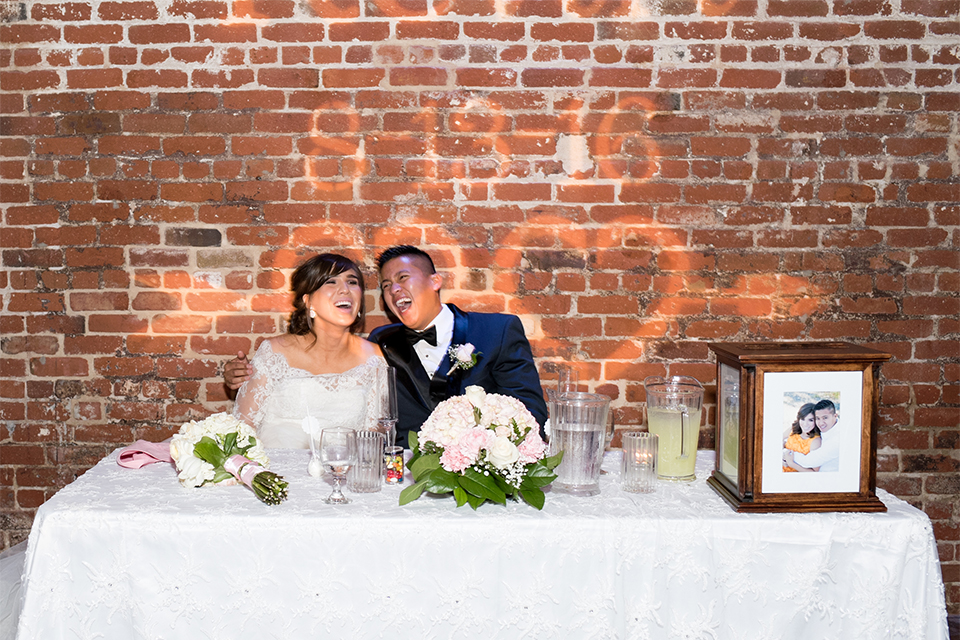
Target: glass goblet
338	452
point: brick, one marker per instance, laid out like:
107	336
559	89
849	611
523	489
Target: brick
102	301
797	8
225	33
551	77
802	78
894	29
750	78
59	367
762	30
695	30
620	77
534	8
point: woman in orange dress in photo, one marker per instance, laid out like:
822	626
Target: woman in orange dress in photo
804	438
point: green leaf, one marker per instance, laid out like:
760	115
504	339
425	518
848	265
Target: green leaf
533	497
536	482
460	495
229	444
553	461
220	475
441	481
411	493
504	486
209	451
424	465
482	486
474	501
414	445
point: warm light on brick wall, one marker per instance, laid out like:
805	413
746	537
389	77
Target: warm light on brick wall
634	178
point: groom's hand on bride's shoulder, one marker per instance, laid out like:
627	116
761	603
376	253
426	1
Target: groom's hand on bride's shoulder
237	371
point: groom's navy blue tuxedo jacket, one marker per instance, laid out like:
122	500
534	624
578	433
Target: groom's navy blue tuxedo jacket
504	366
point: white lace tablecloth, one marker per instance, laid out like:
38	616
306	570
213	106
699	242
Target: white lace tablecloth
124	554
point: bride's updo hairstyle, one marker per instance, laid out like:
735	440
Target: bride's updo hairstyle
310	276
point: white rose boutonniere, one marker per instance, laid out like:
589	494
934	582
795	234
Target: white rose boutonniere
463	356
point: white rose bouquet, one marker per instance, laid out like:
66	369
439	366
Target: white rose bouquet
222	450
480	446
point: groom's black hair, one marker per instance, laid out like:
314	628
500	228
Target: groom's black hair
404	250
825	404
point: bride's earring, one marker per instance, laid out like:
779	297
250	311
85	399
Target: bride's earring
313	314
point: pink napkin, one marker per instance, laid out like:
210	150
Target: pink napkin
142	453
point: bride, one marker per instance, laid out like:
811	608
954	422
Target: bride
320	373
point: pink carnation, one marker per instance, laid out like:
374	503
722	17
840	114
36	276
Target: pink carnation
452	459
472	441
532	447
460	455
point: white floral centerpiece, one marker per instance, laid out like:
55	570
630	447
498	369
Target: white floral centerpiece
221	449
480	446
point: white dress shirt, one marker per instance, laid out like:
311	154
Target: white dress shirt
827	457
429	355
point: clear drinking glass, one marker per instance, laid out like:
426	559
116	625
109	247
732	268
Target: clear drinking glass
568	379
387	421
367	475
338	452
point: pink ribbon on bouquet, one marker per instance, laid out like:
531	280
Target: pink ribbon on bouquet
141	453
243	469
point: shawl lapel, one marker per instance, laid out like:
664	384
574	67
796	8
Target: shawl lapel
401	355
461	325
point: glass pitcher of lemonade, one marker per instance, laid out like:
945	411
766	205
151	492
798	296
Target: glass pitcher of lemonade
674	406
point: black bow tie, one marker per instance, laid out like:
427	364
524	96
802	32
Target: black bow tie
413	336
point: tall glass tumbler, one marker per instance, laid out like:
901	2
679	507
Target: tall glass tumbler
366	476
387	420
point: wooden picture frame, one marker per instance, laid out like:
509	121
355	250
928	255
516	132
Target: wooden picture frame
766	393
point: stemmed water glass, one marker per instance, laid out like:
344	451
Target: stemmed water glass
338	452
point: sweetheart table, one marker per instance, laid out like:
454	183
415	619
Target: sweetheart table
123	553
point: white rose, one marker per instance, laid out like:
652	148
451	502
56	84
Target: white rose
178	445
502	453
194	471
464	352
476	395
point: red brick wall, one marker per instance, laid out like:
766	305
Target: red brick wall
634	178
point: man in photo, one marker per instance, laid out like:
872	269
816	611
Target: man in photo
827	457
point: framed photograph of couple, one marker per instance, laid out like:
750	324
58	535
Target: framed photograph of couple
796	426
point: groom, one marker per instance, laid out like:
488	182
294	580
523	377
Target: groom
419	346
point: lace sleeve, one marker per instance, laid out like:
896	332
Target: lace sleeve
252	396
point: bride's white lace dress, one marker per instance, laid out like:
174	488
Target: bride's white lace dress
277	397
